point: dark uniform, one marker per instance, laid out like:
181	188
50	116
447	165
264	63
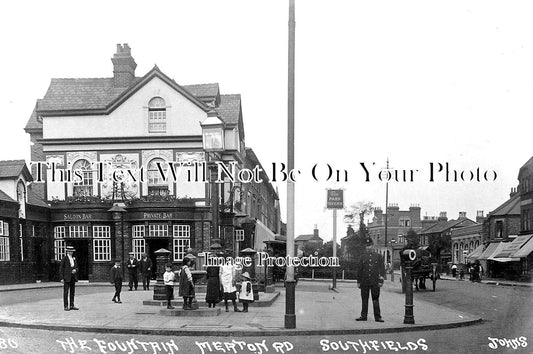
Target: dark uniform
146	272
132	265
370	276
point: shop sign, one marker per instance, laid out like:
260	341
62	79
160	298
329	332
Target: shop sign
77	216
335	199
158	216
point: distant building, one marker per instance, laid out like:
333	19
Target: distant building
399	222
442	231
311	239
504	222
525	191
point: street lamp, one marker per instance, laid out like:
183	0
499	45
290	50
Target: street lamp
213	142
118	215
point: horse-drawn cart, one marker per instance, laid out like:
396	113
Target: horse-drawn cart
424	266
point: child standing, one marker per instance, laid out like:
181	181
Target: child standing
246	295
116	279
169	278
186	284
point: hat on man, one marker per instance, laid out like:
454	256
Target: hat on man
245	275
70	249
369	242
132	253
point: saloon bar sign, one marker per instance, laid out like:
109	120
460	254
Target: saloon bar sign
335	199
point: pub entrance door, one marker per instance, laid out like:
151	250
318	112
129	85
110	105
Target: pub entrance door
81	254
153	245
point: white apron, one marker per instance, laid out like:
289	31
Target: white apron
226	278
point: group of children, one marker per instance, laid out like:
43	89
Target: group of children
186	285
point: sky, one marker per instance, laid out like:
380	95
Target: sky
416	82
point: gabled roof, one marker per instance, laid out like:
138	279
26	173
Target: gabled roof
34	199
13	169
442	226
205	92
4	197
99	96
510	207
526	168
309	237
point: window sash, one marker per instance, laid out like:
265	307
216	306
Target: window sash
79	231
182	231
158	230
157	121
138	247
239	235
59	249
101	231
1	228
180	246
138	231
59	232
4	249
101	249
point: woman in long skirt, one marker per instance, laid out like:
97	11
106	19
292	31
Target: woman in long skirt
213	294
227	280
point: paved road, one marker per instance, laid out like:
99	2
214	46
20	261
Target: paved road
507	310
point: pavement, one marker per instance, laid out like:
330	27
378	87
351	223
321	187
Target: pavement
318	311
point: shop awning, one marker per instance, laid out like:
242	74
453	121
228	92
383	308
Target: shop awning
526	249
512	247
501	246
262	234
489	251
475	253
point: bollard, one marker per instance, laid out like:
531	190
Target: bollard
409	317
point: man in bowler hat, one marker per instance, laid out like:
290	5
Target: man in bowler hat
146	271
132	265
370	278
68	271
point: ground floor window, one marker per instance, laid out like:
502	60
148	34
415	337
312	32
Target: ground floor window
78	231
101	243
158	230
138	247
4	248
59	249
181	241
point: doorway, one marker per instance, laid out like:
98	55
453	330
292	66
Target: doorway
39	257
81	254
153	245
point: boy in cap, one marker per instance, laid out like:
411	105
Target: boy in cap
246	295
370	278
68	272
116	279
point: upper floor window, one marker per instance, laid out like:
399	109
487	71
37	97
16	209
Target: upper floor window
157	115
405	222
156	184
84	187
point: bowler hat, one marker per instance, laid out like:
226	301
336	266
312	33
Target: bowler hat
70	249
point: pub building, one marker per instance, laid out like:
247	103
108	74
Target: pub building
89	130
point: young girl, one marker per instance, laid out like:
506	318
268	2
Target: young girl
246	295
186	284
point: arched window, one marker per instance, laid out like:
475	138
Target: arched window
157	115
156	184
83	178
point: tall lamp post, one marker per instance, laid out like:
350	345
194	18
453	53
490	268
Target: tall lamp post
118	216
213	144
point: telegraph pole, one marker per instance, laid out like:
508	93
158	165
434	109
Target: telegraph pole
387	219
290	283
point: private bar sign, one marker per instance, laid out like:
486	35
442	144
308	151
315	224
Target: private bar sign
335	199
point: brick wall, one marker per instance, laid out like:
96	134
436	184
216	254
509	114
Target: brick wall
37	154
16	272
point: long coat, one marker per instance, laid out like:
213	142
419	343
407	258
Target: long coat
370	269
132	267
146	266
213	293
65	270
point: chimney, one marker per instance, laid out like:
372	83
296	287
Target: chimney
480	217
462	215
315	231
513	192
123	66
443	216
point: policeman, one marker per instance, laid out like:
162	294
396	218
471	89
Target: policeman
370	277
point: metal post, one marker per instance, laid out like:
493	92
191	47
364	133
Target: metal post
214	202
386	217
290	283
409	317
334	286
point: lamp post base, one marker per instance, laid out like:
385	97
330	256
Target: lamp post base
290	304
